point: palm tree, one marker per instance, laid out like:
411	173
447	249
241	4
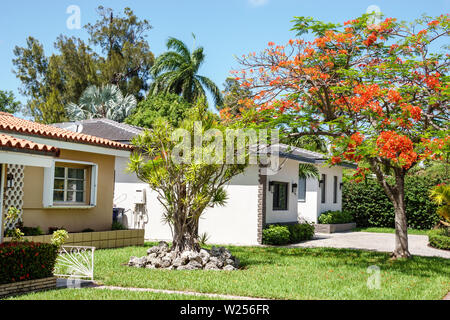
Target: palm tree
176	72
105	102
307	171
440	195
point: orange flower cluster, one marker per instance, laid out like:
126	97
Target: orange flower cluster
356	140
433	146
397	148
433	81
413	111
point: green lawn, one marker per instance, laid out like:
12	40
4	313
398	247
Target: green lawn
289	273
270	272
390	230
104	294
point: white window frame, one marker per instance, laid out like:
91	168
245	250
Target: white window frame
49	181
298	189
66	190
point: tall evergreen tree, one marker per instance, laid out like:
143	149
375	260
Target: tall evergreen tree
52	82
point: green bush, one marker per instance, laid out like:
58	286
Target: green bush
333	217
20	261
117	226
439	238
277	235
300	232
370	207
31	231
285	234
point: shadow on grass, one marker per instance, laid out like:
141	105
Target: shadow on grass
418	266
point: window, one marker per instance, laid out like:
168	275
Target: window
323	188
301	193
69	185
280	195
335	185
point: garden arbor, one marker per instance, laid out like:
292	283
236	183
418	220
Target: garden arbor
379	92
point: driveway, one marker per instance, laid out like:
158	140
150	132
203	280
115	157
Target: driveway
384	242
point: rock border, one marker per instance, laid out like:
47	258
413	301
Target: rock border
161	257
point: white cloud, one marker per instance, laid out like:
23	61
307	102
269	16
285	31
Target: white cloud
258	3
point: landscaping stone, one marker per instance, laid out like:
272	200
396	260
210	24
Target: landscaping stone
160	256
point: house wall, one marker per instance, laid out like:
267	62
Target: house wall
329	205
74	219
308	209
236	223
287	173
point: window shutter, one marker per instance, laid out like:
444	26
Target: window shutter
94	181
49	180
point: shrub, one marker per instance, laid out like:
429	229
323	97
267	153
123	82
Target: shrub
439	238
20	261
59	237
277	235
87	230
285	234
300	232
370	207
118	226
51	230
32	231
332	217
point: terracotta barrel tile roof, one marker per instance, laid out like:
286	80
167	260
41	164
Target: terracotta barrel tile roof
13	124
8	142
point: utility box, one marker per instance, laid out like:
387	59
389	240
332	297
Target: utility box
139	196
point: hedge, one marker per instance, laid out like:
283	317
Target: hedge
285	234
332	217
439	238
20	261
370	207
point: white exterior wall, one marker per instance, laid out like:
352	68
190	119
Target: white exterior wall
329	205
235	223
308	209
288	173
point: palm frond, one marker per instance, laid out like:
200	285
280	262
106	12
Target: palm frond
213	89
308	171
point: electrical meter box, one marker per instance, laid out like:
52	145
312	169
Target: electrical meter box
139	196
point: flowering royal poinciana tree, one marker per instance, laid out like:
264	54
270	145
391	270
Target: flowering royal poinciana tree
379	92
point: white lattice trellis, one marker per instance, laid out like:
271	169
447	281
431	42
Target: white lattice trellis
13	196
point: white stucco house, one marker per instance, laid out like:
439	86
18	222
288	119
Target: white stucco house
255	198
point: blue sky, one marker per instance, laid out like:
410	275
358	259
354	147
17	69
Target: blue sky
224	28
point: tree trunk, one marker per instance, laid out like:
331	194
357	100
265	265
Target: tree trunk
186	239
401	231
401	226
185	242
396	194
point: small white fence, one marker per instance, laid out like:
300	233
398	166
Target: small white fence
75	262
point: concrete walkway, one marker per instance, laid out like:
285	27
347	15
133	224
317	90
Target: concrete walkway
383	242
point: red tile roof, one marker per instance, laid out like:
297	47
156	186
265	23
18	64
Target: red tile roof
9	123
8	142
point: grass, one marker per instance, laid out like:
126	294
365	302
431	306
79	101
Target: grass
390	230
273	272
289	273
104	294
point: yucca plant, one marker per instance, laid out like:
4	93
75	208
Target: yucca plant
440	195
105	102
